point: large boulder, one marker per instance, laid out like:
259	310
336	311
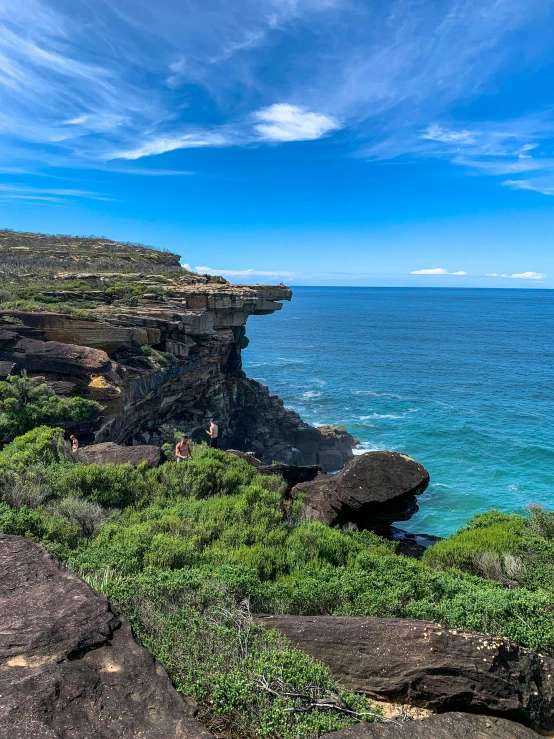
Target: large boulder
444	726
69	666
372	491
427	665
110	453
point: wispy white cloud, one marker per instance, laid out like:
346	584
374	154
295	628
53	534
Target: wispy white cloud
544	185
284	122
520	276
129	79
161	145
437	271
240	272
20	192
437	133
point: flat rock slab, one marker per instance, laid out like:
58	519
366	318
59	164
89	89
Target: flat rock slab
110	453
373	490
69	666
426	665
444	726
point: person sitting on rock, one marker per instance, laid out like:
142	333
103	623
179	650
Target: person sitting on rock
183	452
213	433
74	443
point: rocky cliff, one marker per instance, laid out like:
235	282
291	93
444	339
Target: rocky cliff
156	346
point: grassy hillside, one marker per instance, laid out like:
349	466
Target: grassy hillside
24	253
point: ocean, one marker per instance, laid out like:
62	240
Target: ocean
462	380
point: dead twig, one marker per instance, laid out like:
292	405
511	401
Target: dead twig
313	698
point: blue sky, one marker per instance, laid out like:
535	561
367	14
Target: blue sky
310	141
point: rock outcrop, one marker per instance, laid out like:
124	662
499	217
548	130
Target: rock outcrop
69	666
110	453
446	726
292	474
372	491
426	665
157	348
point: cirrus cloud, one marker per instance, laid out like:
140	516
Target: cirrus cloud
520	276
437	271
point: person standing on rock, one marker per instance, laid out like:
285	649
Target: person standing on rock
213	433
74	443
183	452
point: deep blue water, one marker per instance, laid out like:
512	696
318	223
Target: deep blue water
462	380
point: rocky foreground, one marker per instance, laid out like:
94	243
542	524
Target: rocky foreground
70	667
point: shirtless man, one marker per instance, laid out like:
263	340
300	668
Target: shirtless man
183	452
74	443
213	433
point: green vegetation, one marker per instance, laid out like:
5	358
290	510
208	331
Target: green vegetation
26	403
188	551
517	551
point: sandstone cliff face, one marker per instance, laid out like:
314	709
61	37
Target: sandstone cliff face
169	357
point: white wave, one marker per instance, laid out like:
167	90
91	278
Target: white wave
373	394
368	446
395	416
311	394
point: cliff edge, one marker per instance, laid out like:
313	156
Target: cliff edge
158	347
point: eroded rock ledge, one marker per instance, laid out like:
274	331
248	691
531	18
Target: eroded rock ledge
173	358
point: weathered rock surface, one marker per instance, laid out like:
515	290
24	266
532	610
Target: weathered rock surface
249	457
426	665
292	474
170	359
69	666
444	726
110	453
372	491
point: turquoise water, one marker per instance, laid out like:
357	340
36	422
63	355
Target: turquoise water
461	380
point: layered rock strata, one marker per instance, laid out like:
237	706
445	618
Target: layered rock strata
69	666
172	358
424	664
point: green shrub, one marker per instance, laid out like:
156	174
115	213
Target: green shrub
41	446
25	404
460	550
89	517
215	653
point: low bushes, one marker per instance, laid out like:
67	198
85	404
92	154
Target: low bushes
186	550
25	404
216	654
517	551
